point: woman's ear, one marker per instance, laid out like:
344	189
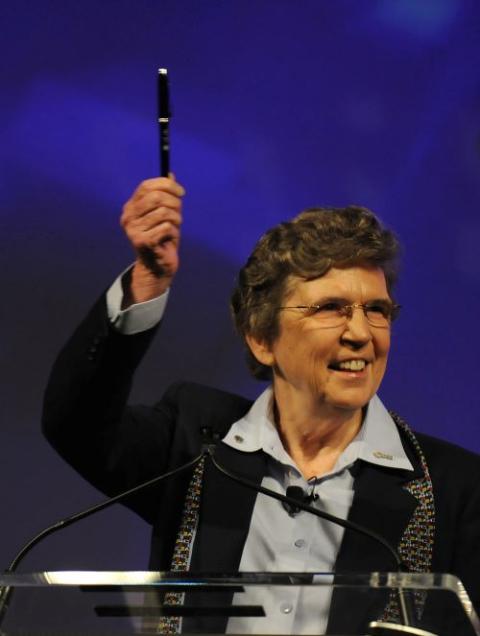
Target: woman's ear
260	349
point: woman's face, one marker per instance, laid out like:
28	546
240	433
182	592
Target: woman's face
337	367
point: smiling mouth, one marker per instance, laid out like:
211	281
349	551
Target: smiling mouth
348	365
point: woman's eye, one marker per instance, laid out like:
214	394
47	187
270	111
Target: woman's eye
327	307
378	309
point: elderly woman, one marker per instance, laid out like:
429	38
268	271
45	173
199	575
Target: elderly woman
314	305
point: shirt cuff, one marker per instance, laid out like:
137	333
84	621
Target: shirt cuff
136	318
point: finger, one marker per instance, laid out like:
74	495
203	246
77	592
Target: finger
138	227
157	199
150	236
157	236
132	223
156	217
159	183
133	211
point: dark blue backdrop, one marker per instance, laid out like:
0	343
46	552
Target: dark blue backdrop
278	105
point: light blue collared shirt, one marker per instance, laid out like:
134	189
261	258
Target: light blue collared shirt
279	542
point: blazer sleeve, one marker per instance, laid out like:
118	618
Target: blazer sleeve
456	480
85	413
466	549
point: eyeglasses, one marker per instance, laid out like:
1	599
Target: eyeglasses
336	313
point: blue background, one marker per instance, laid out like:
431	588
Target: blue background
278	105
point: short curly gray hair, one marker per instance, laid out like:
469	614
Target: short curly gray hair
306	247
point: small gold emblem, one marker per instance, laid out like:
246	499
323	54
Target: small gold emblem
380	455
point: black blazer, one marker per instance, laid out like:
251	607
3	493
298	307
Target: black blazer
116	447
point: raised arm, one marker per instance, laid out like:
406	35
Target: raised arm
85	416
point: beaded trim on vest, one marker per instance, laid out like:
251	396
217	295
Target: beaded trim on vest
183	545
416	545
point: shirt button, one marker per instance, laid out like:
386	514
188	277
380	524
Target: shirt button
286	608
300	543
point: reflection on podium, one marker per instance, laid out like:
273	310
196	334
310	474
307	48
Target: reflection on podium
120	603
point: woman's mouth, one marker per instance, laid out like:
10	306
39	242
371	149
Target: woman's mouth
355	365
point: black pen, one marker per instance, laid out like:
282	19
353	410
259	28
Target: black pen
163	121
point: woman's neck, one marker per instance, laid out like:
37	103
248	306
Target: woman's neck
315	437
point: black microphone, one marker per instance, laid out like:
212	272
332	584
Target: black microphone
298	494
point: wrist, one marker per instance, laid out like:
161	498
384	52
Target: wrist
140	285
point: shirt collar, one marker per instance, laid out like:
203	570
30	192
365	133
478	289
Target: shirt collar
377	442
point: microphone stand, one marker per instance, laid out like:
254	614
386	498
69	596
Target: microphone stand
6	592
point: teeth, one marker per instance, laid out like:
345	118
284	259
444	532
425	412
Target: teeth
352	365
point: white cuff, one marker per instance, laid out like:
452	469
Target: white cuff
136	318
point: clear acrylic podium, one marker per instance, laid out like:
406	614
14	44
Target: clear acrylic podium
120	603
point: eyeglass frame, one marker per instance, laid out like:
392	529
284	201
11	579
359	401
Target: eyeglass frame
347	310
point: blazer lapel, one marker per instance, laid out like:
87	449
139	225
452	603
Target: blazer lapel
225	514
226	510
381	504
